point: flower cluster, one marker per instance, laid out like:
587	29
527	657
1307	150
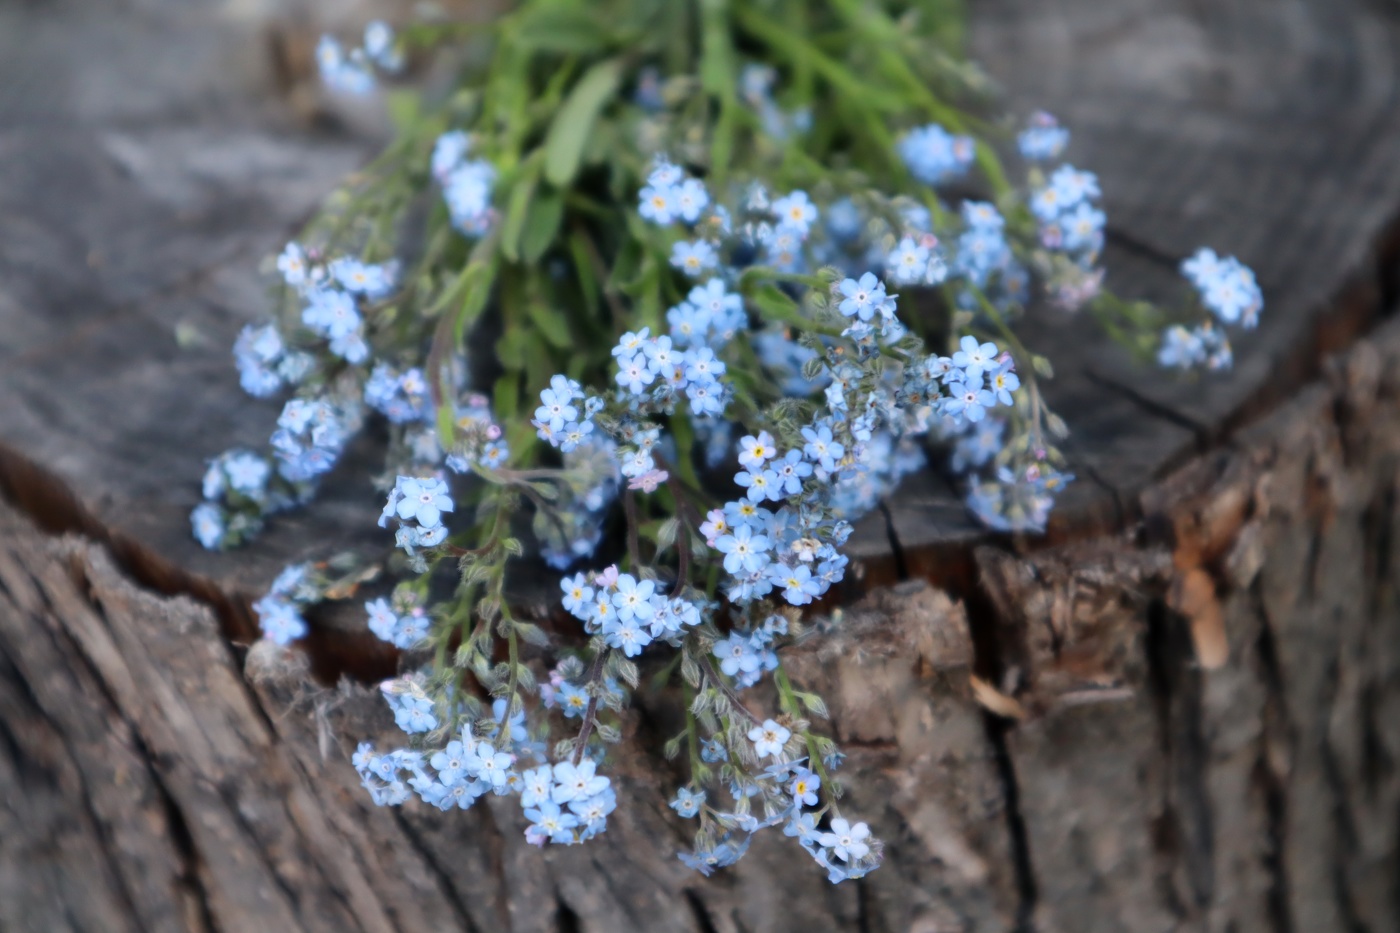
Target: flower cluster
314	427
566	802
265	363
418	504
629	613
402	630
400	397
934	155
762	385
756	83
467	184
1043	138
352	72
280	609
1227	290
239	489
785	789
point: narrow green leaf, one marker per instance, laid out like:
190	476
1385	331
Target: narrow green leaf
551	323
541	225
518	208
583	268
569	132
562	29
506	397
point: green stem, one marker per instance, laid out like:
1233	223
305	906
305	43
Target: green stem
788	699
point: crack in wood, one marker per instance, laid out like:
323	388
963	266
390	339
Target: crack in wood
1203	434
1176	686
901	567
1266	778
439	872
699	911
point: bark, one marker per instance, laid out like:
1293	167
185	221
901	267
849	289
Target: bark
1200	734
1177	711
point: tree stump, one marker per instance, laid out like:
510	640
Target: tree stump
1178	710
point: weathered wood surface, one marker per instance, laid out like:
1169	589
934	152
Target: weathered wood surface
1228	766
1200	663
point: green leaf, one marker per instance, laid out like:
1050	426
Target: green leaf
551	323
404	107
518	208
532	634
511	348
775	305
541	225
506	397
569	132
583	268
562	29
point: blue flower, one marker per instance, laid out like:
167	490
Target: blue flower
572	701
796	211
207	519
755	451
1180	349
791	471
331	313
712	751
626	635
934	155
799	586
577	781
743	550
968	400
592	811
821	448
548	821
1004	381
804	787
908	263
578	596
762	485
556	409
490	766
660	357
690	198
361	278
1074	186
383	621
411	713
705	399
658	204
688	802
847	841
702	367
379	46
449	151
736	656
768	739
974	359
634	374
341	72
279	619
423	500
693	258
633	598
1043	139
451	763
861	298
1082	227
